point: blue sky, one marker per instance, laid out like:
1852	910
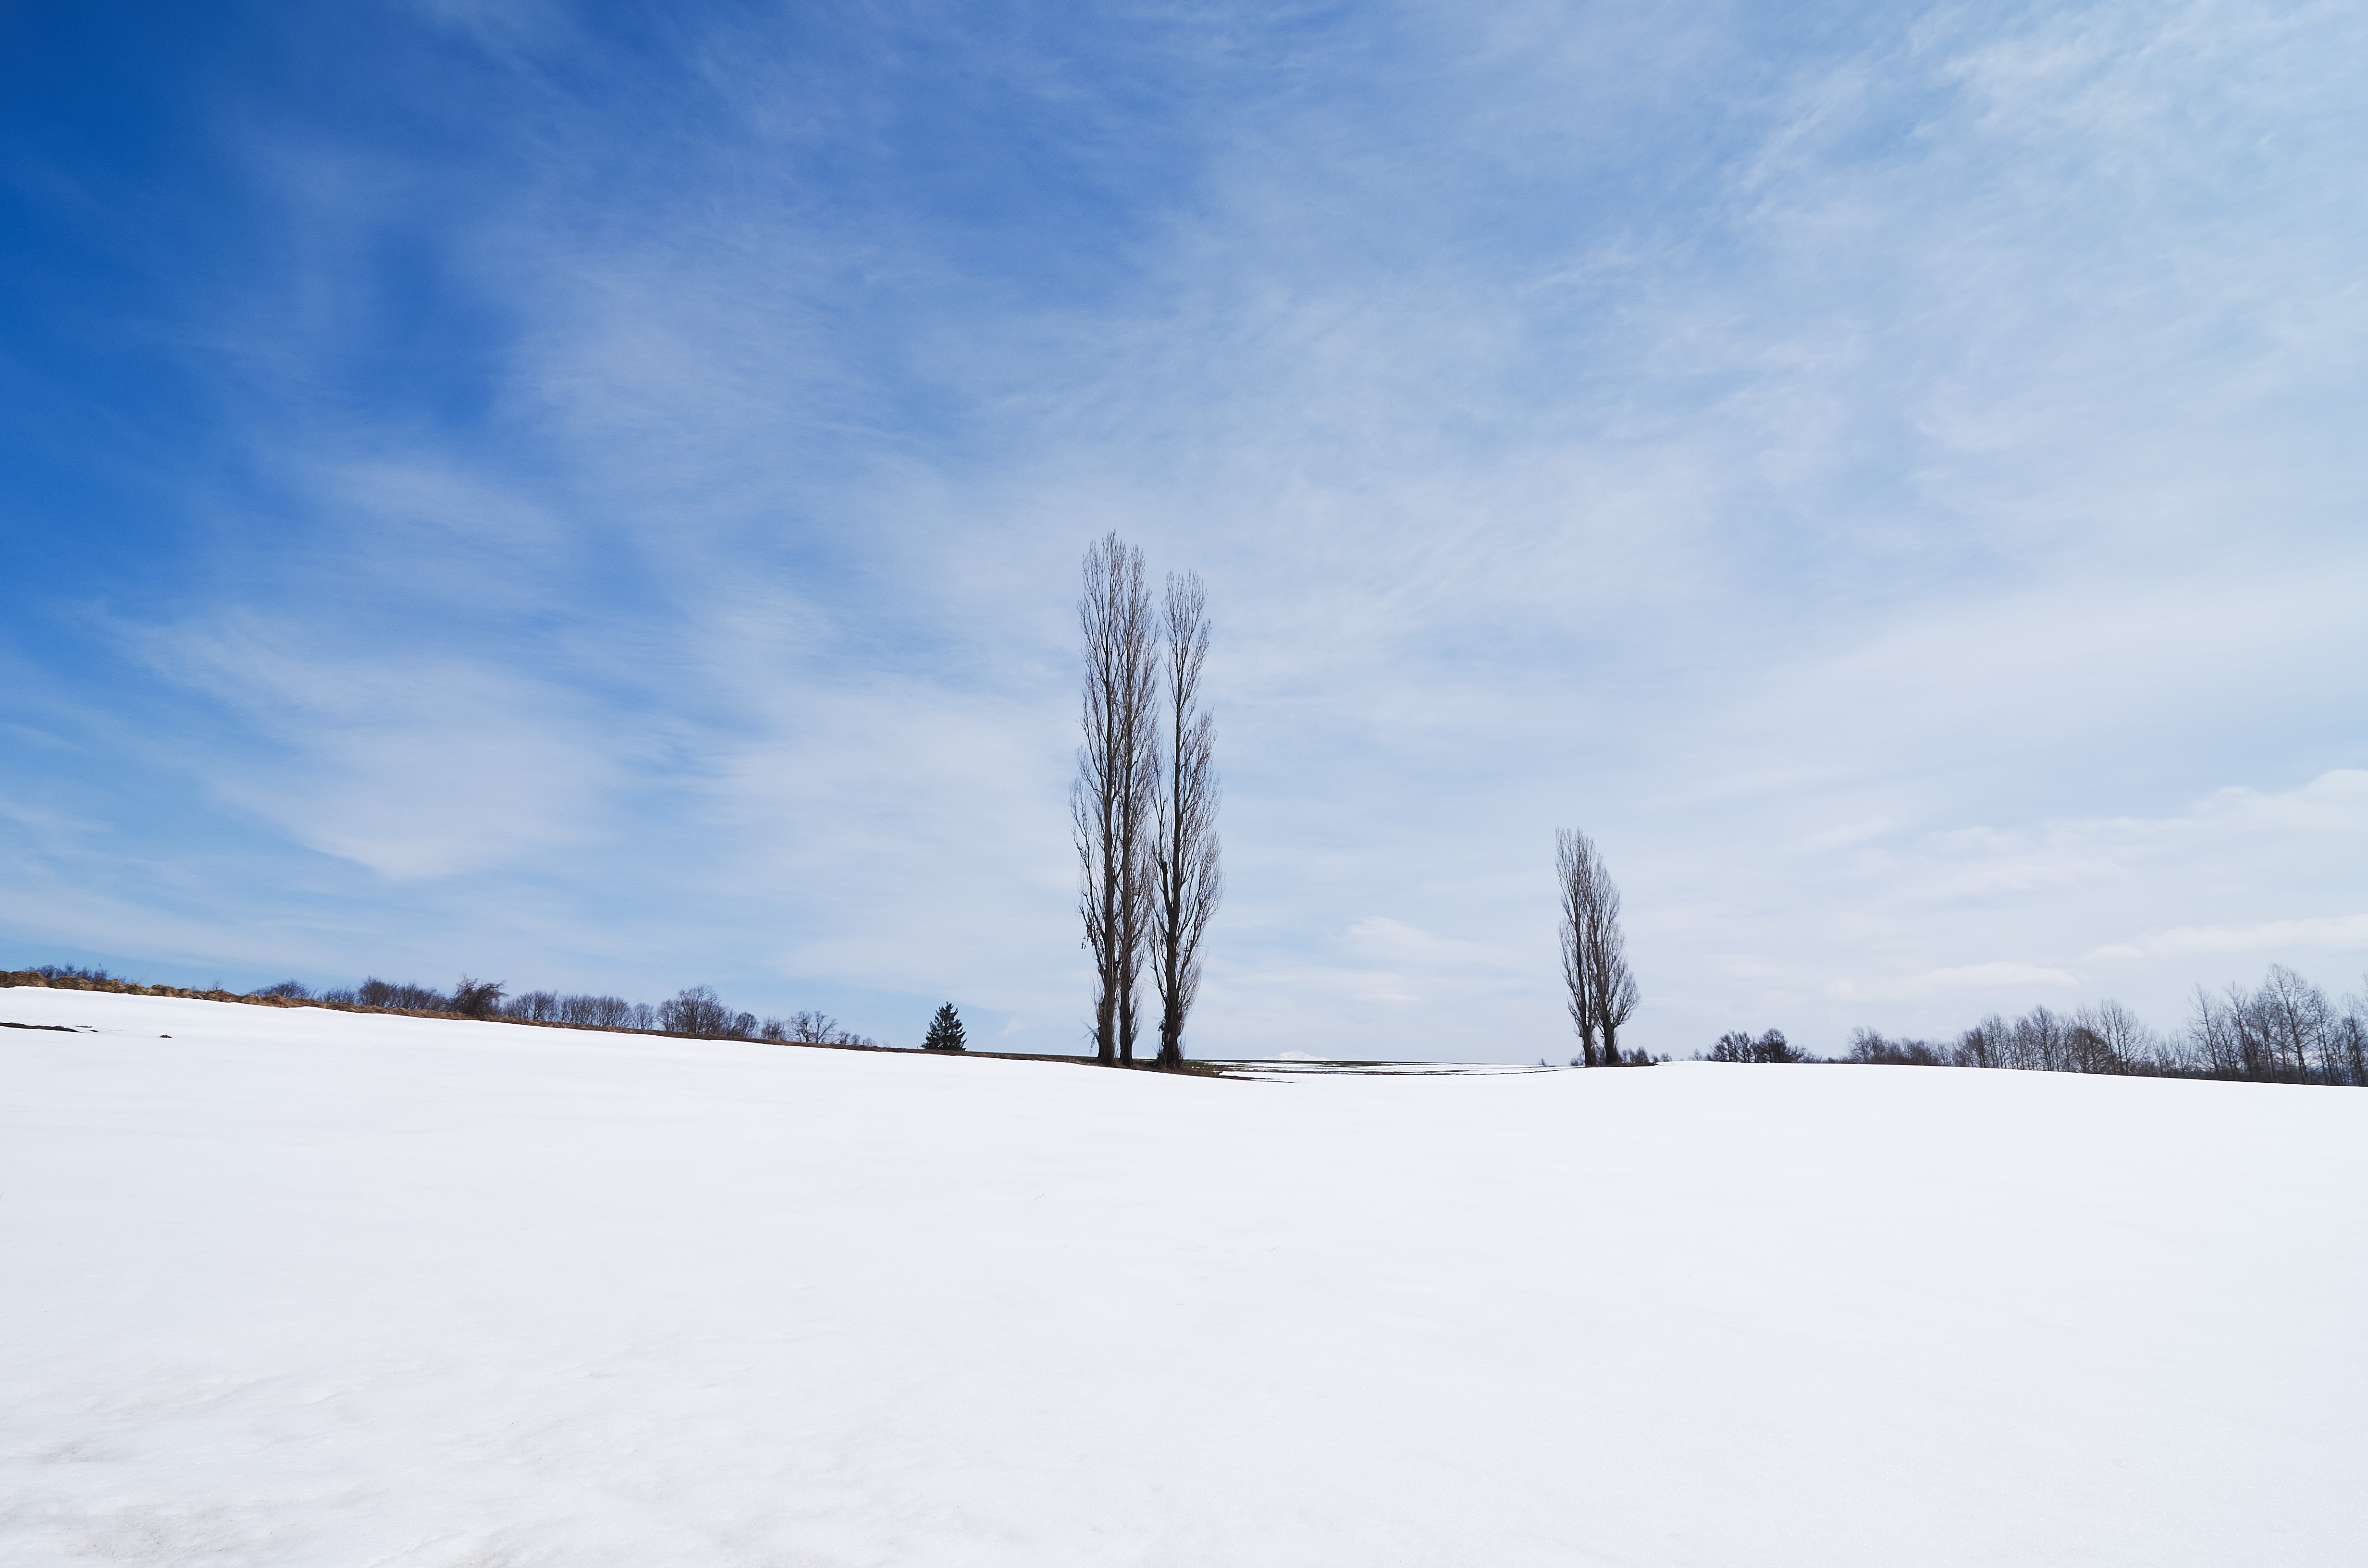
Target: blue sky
595	498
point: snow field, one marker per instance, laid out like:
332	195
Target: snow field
304	1288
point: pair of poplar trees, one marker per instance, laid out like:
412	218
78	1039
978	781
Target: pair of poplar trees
1145	804
1602	989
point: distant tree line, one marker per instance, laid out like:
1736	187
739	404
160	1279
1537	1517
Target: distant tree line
2285	1031
695	1010
68	971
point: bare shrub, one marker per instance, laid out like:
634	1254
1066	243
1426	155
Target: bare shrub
478	998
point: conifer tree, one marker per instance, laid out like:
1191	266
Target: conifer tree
945	1030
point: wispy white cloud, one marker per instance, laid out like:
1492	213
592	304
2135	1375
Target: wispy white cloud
2324	933
414	767
2044	890
1986	979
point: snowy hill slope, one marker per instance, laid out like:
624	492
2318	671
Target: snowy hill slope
309	1289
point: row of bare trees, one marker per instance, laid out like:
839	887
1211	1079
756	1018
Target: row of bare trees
694	1010
2286	1030
1144	809
1602	990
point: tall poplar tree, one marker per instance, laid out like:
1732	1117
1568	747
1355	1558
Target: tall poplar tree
1602	991
1188	877
1113	801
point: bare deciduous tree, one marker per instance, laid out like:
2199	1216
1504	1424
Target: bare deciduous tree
1112	803
1574	871
1594	949
1736	1045
2114	1039
2295	1023
1187	875
695	1009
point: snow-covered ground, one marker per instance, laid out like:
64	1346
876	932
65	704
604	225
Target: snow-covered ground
302	1287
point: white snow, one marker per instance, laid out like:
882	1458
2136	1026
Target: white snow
302	1287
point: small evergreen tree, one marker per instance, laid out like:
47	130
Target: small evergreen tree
945	1030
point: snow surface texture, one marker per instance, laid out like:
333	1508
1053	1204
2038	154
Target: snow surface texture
310	1288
